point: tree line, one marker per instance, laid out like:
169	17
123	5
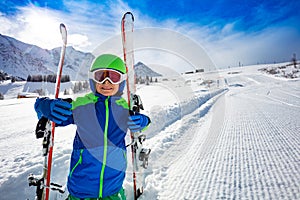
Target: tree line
47	78
145	80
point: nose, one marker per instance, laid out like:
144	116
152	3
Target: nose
107	82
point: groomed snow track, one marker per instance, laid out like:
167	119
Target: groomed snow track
246	147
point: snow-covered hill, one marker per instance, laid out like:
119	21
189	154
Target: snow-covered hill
231	134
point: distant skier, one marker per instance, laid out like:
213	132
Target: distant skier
98	161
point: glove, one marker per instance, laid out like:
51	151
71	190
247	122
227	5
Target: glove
55	110
137	122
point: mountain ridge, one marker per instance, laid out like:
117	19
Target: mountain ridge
21	59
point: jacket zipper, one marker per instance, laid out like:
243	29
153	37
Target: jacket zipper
105	147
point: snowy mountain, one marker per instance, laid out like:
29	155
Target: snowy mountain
142	70
21	59
18	58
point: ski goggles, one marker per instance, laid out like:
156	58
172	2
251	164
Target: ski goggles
113	76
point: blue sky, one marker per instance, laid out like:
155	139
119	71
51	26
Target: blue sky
230	31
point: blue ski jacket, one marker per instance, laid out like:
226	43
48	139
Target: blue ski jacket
98	161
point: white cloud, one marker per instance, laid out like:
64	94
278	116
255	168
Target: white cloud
6	25
86	26
273	44
78	41
34	25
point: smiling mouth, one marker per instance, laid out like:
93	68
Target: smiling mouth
106	88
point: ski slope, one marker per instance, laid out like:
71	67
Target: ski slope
246	147
236	141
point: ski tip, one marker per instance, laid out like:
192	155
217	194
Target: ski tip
128	13
63	32
62	28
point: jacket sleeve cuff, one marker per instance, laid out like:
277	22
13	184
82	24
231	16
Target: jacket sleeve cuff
146	127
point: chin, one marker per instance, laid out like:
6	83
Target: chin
107	93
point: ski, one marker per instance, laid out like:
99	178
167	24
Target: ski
139	154
46	129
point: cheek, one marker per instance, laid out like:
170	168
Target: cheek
98	88
116	87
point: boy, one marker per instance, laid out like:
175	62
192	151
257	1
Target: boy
98	161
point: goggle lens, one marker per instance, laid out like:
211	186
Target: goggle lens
113	76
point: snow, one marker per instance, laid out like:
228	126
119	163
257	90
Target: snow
236	141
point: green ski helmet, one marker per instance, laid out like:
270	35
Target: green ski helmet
108	61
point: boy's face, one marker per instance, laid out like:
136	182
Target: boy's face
107	88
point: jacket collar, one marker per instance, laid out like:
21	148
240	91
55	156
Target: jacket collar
102	97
